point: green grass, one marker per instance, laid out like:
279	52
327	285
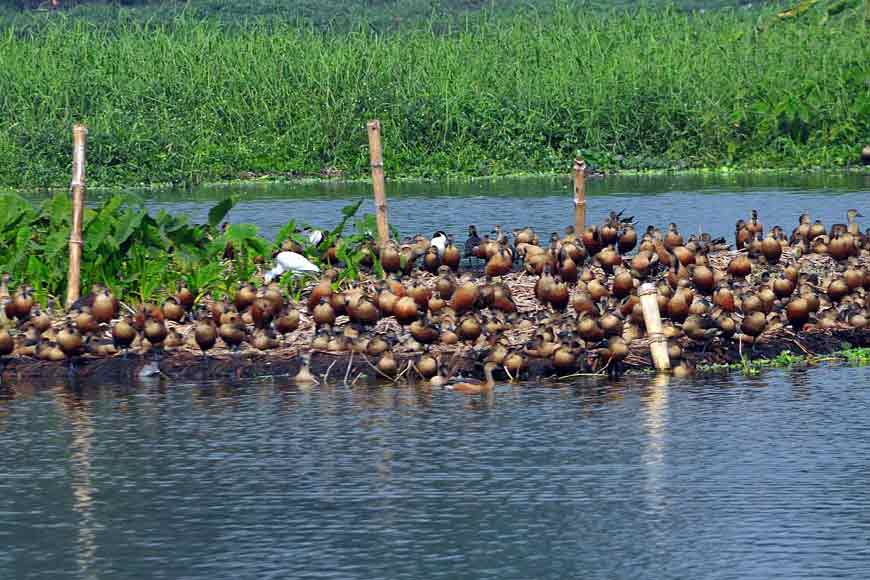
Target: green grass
190	100
381	15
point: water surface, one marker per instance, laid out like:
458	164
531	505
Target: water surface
717	477
713	203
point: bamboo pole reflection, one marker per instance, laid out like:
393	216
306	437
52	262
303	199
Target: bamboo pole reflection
655	401
77	413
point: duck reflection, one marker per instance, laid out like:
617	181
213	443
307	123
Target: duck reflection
595	393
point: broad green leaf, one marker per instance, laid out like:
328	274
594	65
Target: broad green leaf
220	211
126	224
241	232
13	209
97	231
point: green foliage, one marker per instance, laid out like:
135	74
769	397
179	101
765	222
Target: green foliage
187	100
857	356
752	367
133	253
332	15
219	212
140	257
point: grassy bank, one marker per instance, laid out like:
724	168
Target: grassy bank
193	100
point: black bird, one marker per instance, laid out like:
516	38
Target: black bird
617	219
472	242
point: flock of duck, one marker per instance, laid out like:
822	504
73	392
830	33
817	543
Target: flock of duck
506	300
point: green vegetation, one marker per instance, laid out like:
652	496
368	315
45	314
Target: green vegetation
331	15
753	366
857	356
185	100
140	257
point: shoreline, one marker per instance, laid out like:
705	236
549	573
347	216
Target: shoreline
279	179
182	364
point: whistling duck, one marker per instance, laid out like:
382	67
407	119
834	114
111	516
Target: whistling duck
472	242
406	310
387	365
155	331
432	259
183	294
451	256
264	339
391	259
305	377
475	387
324	313
40	320
70	340
7	345
123	334
427	366
172	310
233	332
105	306
852	226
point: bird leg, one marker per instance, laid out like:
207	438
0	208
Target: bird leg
349	365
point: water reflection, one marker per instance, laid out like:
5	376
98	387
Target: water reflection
655	404
801	384
76	412
713	477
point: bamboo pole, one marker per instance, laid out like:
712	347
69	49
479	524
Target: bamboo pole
579	195
77	190
377	164
652	319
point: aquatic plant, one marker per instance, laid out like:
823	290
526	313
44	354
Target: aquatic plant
183	100
753	366
140	257
856	356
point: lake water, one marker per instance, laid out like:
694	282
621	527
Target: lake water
716	477
714	203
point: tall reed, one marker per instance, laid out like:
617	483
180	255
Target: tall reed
197	100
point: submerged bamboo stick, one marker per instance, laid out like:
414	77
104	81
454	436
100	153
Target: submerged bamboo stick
77	190
377	165
579	195
652	319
